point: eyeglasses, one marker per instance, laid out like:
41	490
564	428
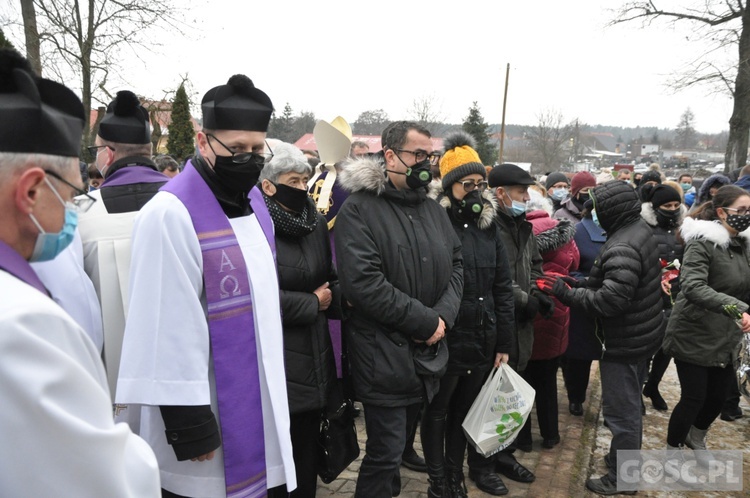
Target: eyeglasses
243	157
740	211
94	149
421	155
470	185
82	200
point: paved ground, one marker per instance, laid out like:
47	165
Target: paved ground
562	471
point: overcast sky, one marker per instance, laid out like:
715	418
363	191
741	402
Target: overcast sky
335	57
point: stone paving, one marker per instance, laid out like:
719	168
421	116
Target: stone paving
561	472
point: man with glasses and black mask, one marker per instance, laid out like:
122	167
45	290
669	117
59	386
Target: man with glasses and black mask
122	154
202	361
399	263
56	422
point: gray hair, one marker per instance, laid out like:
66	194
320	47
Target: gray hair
286	159
12	162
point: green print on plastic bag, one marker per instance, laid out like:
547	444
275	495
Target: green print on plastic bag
511	420
509	423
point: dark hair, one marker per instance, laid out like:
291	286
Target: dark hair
723	197
394	135
164	161
360	143
684	175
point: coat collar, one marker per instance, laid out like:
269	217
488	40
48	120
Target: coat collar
648	213
711	231
489	206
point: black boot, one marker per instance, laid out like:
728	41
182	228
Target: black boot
438	488
652	391
456	485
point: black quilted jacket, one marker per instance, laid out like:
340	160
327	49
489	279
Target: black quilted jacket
623	290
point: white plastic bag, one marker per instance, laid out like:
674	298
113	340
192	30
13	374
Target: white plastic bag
500	410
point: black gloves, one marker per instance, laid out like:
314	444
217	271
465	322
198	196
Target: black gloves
573	282
538	303
546	306
531	309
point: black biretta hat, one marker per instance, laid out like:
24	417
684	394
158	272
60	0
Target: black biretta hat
238	105
126	121
37	116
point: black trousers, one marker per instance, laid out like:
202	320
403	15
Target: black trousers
703	392
576	374
659	365
304	428
441	425
542	376
387	430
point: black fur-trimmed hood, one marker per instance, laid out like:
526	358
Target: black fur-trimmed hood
556	237
489	204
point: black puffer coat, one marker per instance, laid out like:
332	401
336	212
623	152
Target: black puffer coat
305	263
399	264
485	319
624	290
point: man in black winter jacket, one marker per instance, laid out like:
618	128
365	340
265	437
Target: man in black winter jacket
400	272
623	292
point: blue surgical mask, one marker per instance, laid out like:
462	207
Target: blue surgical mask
595	218
516	208
49	245
559	194
686	186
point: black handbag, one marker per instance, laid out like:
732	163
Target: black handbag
337	443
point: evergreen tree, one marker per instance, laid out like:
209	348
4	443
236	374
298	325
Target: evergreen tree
475	126
4	42
181	141
283	127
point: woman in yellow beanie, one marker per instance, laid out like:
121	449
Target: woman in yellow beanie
482	334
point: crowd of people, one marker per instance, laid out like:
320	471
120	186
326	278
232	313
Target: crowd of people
179	330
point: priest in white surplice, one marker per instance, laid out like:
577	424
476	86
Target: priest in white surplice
122	152
58	436
202	362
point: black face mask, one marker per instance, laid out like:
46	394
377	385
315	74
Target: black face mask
582	198
469	208
739	222
290	197
667	218
418	175
236	178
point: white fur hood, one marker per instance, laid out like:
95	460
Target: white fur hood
364	174
711	231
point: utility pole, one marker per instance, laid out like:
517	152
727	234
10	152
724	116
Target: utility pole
502	124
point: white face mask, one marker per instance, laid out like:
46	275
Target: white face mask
559	194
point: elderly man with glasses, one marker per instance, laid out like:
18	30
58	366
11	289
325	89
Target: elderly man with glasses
57	429
400	272
202	365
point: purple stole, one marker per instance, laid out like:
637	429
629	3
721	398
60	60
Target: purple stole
231	329
134	174
338	196
13	263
